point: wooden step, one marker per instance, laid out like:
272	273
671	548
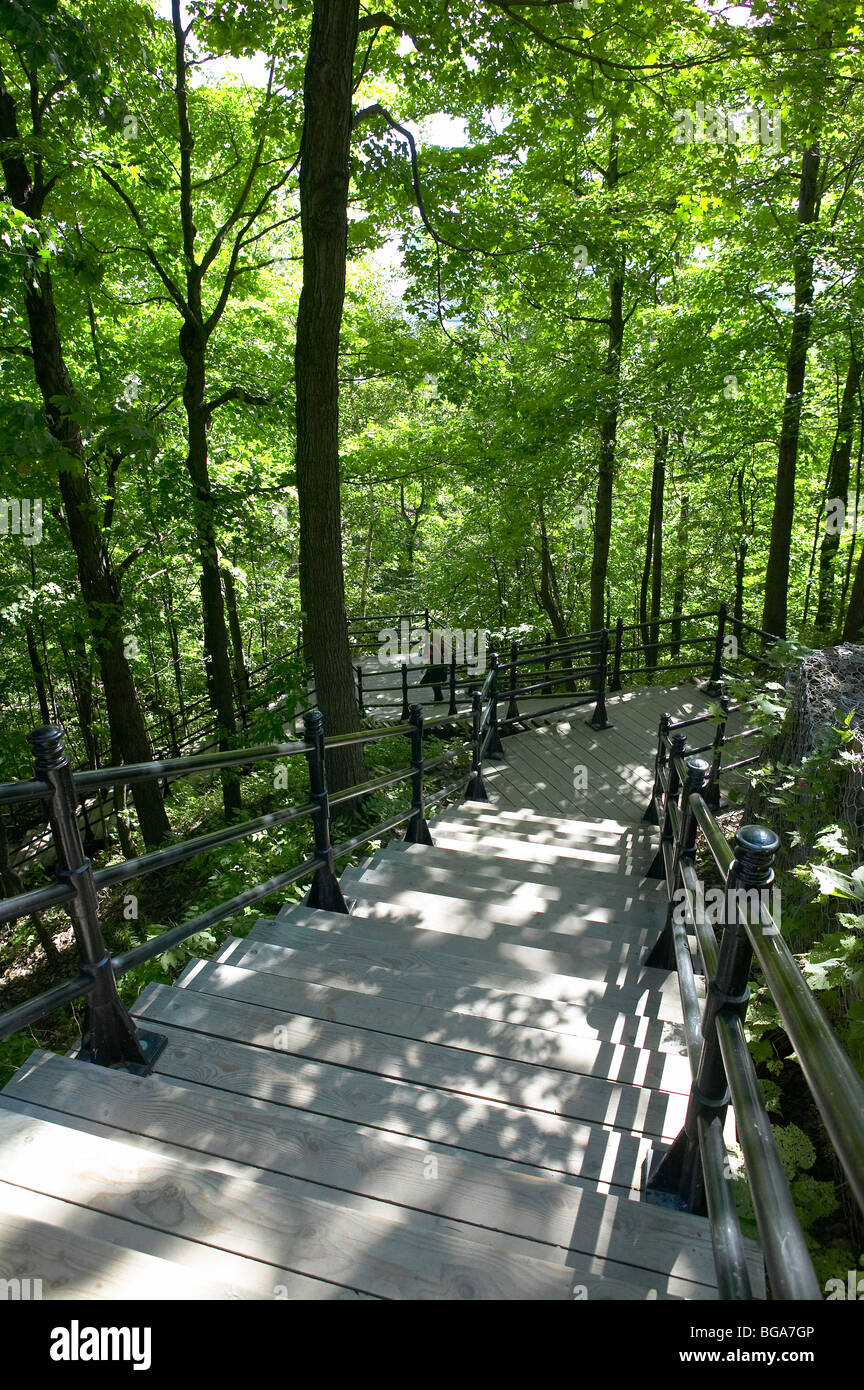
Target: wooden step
547	837
523	854
444	991
632	989
52	1259
327	996
550	887
623	868
602	922
234	1047
529	1085
319	1239
431	868
620	942
591	957
474	1198
414	890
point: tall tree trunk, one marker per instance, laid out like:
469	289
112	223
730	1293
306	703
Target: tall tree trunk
854	621
100	586
659	487
217	662
775	610
240	671
38	674
609	419
324	180
838	487
548	594
652	569
680	578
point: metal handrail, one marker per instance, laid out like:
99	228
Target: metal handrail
109	1035
721	1064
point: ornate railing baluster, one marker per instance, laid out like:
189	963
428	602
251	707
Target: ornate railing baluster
324	890
108	1035
417	832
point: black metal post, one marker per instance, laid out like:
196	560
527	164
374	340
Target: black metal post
714	687
650	816
495	749
547	659
513	707
109	1037
657	867
360	706
712	787
599	719
680	1172
404	713
324	891
615	683
418	831
451	709
662	954
476	790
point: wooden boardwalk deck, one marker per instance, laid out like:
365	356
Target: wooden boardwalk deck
449	1094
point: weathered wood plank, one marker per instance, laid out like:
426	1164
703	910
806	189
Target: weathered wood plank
215	1043
81	1265
531	1086
356	1006
314	1237
466	1188
586	1020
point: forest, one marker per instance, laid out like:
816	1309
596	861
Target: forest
535	315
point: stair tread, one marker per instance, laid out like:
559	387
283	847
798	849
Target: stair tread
314	1237
470	1197
513	908
546	953
633	988
487	862
604	887
99	1262
325	997
237	1052
527	1085
428	987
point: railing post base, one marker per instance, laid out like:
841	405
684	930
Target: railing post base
324	891
599	719
657	867
109	1038
476	790
662	953
673	1177
418	832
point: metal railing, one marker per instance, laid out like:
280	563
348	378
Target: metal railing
694	1171
109	1035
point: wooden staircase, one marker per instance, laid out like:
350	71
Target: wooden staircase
449	1094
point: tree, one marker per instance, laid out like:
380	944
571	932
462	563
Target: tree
324	180
100	584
